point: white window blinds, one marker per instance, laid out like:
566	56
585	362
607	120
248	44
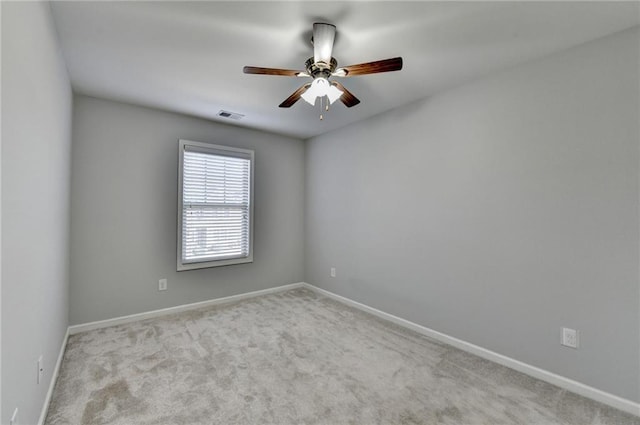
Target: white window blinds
216	205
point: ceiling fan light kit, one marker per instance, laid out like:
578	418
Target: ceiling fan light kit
320	87
321	67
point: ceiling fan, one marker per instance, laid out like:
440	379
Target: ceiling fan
321	67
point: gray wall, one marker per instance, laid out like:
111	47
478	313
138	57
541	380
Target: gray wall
497	212
124	207
36	144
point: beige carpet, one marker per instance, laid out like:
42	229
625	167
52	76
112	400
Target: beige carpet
295	358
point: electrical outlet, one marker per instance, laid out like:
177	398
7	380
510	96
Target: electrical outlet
333	272
162	285
569	338
40	369
14	418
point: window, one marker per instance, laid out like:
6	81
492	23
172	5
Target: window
215	205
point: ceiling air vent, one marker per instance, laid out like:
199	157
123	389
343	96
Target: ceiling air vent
231	115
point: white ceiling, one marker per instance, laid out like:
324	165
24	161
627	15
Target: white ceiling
187	57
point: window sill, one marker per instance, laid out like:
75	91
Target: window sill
217	263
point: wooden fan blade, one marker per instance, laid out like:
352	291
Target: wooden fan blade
272	71
288	102
386	65
347	97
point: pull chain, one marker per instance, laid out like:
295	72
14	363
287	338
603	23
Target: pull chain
326	107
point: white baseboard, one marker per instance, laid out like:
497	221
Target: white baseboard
54	379
544	375
177	309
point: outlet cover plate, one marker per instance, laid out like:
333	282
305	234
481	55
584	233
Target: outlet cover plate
162	285
569	338
40	369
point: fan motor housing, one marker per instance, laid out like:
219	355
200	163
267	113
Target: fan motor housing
320	69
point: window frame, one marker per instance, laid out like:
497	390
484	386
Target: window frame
214	149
